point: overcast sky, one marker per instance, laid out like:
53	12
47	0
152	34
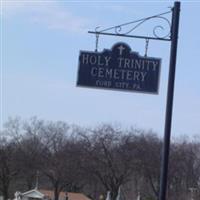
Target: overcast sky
40	44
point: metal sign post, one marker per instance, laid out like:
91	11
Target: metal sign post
92	67
169	105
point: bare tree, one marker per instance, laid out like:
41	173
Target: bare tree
30	149
148	148
107	158
60	162
8	166
184	170
71	158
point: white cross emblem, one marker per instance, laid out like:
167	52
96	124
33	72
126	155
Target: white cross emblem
121	49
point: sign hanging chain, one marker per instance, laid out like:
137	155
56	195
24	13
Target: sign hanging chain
146	47
97	42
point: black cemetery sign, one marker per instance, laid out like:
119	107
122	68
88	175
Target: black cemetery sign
119	69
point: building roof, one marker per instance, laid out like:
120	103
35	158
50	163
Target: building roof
62	195
33	194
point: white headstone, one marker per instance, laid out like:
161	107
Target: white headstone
108	197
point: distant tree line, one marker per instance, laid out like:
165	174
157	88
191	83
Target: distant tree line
93	160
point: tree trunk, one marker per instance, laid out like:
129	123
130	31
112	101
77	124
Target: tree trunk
5	192
56	192
114	193
5	182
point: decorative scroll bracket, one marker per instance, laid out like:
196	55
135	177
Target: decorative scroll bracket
117	30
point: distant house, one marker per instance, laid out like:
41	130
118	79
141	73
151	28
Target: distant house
36	194
31	195
64	196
